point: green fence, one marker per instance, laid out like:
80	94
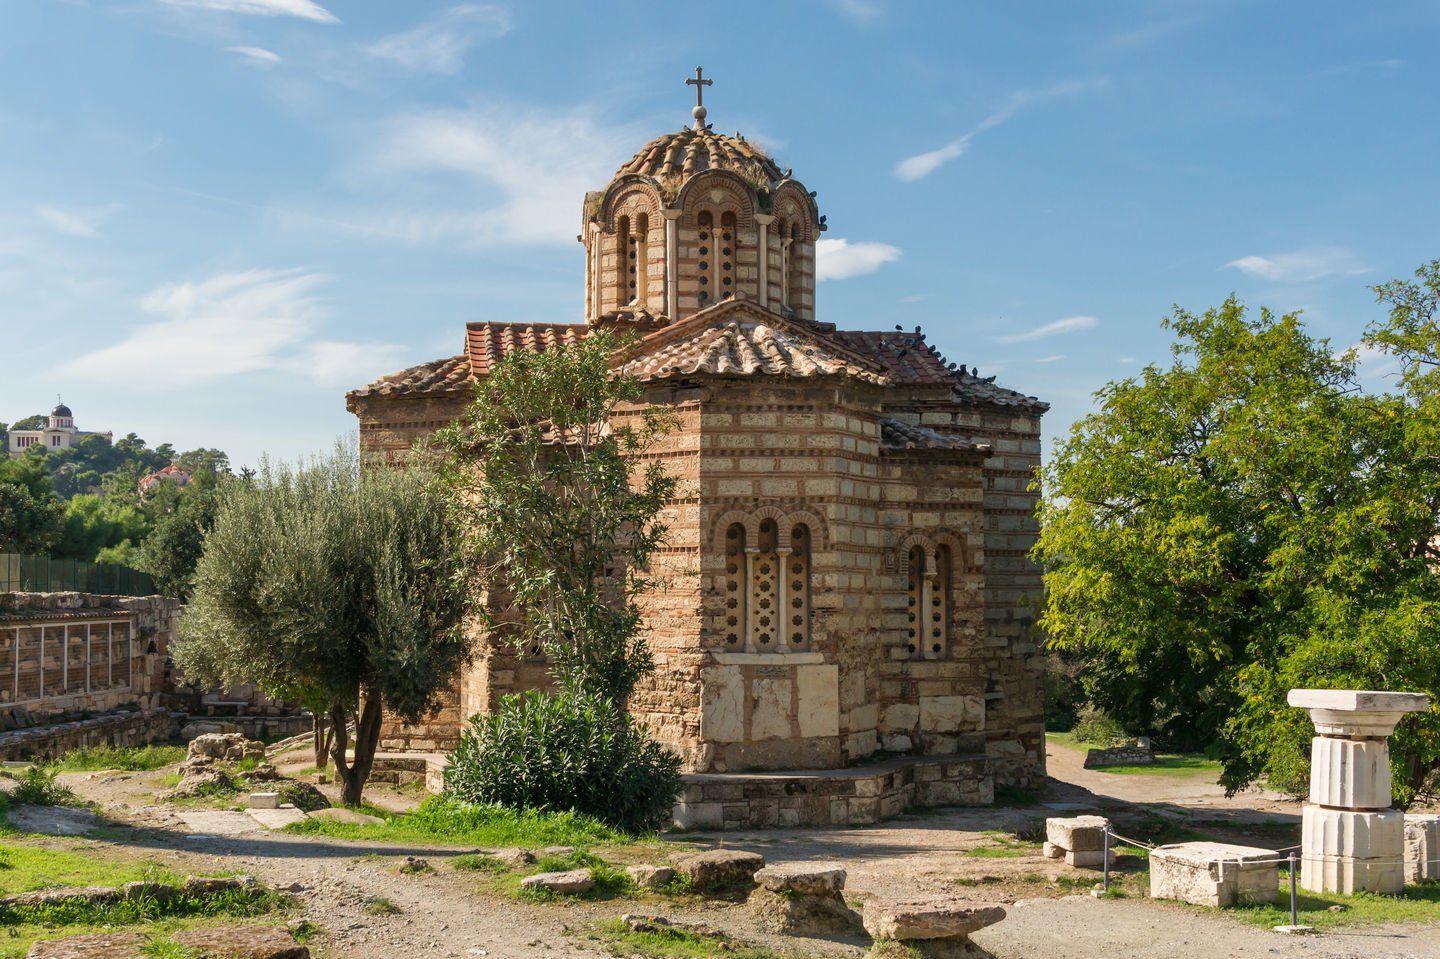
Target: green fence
41	574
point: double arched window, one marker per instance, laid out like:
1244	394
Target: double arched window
767	588
716	266
929	609
632	240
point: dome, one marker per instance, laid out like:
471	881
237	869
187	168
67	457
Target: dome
675	157
62	410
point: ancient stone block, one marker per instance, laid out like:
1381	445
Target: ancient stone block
104	945
1214	874
650	877
242	942
1078	833
1422	847
722	706
1349	773
770	716
568	883
817	695
805	878
927	918
1348	851
719	867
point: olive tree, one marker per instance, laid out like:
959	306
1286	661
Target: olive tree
335	586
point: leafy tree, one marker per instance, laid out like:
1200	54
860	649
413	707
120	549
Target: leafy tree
30	513
35	422
199	462
1240	522
93	524
172	551
320	586
562	515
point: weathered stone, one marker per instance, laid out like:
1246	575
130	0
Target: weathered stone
802	877
1078	833
242	942
1422	847
264	801
413	865
560	851
104	945
1348	851
650	877
1350	774
790	913
719	867
927	918
569	883
340	814
515	858
1214	874
45	897
207	727
157	891
221	747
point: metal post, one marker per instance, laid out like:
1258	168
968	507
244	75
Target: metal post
1294	918
1106	861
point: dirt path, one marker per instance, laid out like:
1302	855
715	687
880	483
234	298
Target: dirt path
443	915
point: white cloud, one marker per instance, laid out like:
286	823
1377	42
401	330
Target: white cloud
923	164
858	11
1070	324
82	222
231	324
439	44
526	176
1125	359
305	9
1052	358
839	259
913	298
1150	34
1301	266
257	54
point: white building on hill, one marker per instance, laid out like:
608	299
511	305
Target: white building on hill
59	433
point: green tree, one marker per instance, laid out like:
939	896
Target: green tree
1237	523
30	513
564	515
36	422
173	549
93	524
322	586
199	462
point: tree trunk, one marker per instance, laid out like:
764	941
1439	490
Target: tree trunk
322	741
352	775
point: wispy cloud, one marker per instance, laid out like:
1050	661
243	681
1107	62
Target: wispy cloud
1301	266
913	298
1052	358
439	44
1070	324
1127	360
304	9
839	259
921	165
255	54
858	11
522	177
230	324
1149	34
82	222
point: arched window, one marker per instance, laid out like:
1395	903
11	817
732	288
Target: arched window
785	244
624	261
735	580
705	224
765	623
798	588
726	256
928	603
940	593
915	607
791	271
636	260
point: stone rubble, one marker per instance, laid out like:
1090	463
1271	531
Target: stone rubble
650	877
802	899
719	867
1079	840
569	883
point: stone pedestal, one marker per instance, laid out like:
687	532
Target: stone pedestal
1079	840
1214	874
1422	848
1352	840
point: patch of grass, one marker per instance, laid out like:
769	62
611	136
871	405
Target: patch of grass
167	948
171	780
478	862
667	942
893	949
234	903
124	758
33	867
1005	846
1418	903
1065	739
382	906
1179	765
441	820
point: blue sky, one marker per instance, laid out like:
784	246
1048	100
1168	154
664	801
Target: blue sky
216	216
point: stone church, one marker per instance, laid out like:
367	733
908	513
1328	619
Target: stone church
848	589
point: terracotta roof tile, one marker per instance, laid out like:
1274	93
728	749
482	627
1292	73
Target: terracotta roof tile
488	343
449	375
907	359
895	435
744	347
675	157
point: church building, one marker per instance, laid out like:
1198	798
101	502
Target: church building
849	606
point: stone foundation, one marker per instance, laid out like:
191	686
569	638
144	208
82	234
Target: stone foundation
129	727
832	797
1214	874
404	769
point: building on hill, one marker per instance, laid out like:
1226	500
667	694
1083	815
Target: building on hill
59	433
171	473
848	577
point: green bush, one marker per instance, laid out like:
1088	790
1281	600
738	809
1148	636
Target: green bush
36	786
1097	729
566	752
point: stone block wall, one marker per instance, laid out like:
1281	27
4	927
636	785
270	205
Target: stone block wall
125	727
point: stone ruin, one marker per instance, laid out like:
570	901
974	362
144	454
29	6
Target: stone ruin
1079	840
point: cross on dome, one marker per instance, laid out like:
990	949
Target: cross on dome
699	83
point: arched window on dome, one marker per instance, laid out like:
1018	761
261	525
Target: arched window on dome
726	257
705	235
783	232
789	271
637	257
624	261
736	623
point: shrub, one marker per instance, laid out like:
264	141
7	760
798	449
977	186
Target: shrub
566	752
36	786
1095	727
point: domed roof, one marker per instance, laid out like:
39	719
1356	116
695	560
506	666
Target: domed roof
675	157
61	410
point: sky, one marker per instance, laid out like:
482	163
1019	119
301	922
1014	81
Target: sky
218	216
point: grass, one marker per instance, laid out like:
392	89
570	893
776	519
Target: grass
1003	846
124	758
26	868
669	942
1180	765
382	906
442	821
477	862
1418	903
